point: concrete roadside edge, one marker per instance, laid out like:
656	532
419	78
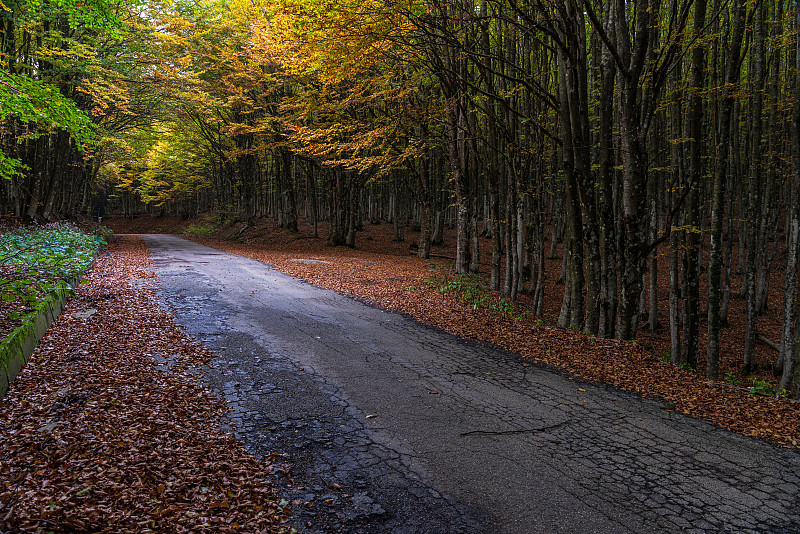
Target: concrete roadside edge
17	347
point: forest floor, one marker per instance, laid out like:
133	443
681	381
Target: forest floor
97	437
386	274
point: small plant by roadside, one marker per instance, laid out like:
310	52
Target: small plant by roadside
471	289
764	387
754	385
38	260
203	229
733	378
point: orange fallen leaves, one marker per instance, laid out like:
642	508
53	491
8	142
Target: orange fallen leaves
96	438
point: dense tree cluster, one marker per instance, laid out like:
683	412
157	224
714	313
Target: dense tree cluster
624	128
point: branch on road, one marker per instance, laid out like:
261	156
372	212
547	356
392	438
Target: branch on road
518	431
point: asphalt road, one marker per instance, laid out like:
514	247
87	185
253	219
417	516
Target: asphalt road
392	426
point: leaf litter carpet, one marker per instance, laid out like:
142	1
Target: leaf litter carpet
98	436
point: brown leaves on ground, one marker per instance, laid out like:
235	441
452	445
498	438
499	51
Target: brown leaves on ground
384	273
97	439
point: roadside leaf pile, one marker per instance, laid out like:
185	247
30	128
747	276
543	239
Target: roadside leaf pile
99	438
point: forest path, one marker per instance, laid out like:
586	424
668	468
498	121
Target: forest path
393	426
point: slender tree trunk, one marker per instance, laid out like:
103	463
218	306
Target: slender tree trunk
718	190
634	107
790	334
424	250
397	221
494	206
354	216
455	148
691	297
580	186
571	314
608	251
677	178
754	188
475	263
311	198
652	274
291	201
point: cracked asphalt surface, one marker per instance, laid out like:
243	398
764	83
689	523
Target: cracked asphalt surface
393	426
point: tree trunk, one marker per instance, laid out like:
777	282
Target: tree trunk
635	105
455	146
754	188
311	198
424	250
353	216
790	335
572	306
475	263
693	219
715	257
652	273
608	255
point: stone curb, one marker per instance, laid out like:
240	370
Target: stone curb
18	346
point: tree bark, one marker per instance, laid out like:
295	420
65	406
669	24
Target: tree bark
718	190
789	348
754	187
608	251
571	315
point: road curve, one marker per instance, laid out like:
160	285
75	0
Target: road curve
393	426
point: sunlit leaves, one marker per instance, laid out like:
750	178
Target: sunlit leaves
328	81
56	39
356	100
43	109
30	100
173	167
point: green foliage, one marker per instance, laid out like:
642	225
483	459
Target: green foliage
160	164
761	386
732	378
205	228
10	166
91	14
94	14
471	289
40	91
756	386
36	102
31	100
36	261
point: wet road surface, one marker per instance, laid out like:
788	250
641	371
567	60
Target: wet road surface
393	426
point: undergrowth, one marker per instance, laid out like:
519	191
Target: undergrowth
473	290
38	260
755	385
204	229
